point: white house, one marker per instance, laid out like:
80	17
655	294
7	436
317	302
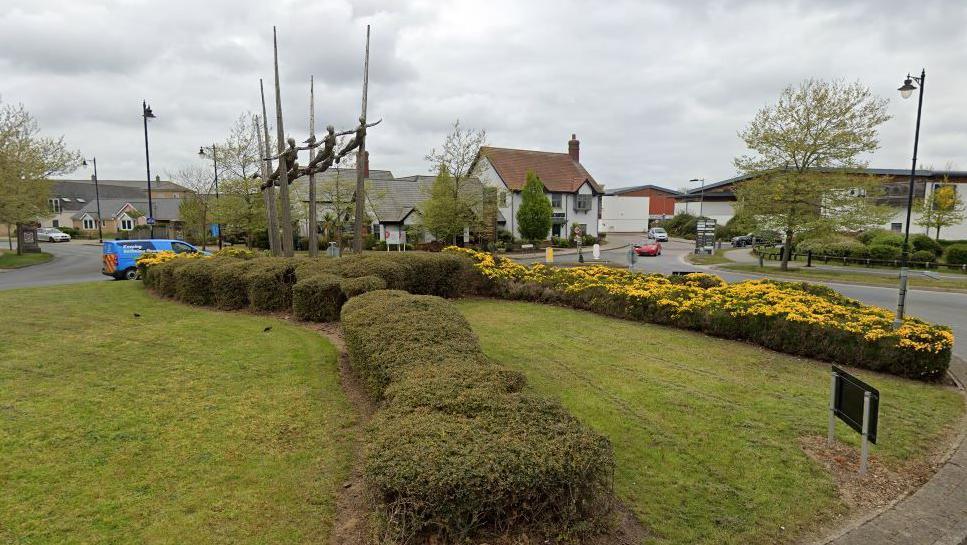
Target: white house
574	194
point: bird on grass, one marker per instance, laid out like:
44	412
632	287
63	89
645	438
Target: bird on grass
136	315
267	329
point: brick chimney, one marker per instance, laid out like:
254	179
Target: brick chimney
365	165
574	148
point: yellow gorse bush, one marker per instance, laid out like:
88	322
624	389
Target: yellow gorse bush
701	294
148	259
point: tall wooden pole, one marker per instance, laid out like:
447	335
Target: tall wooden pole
360	160
287	241
269	192
313	212
275	245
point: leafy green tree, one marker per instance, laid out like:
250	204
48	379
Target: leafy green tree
27	161
240	208
446	213
534	214
942	208
803	148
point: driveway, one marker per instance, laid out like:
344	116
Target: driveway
74	261
937	307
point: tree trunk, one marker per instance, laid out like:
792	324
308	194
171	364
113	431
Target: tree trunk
20	245
937	238
786	252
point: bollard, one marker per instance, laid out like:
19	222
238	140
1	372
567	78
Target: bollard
809	258
761	264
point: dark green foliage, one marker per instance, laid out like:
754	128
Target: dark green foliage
193	281
229	286
535	211
351	287
167	282
308	266
681	224
886	238
867	236
885	252
318	298
956	254
269	283
397	275
458	446
923	242
925	256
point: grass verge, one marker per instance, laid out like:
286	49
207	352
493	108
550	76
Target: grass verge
705	431
10	260
716	258
182	425
916	279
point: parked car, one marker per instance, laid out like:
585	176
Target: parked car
753	239
658	233
52	234
120	256
648	247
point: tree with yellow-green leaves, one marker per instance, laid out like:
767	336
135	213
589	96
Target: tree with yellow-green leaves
942	208
27	161
804	158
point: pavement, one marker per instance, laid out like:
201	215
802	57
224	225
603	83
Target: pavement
74	261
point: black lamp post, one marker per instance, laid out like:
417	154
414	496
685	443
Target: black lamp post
202	152
906	90
146	113
97	198
701	199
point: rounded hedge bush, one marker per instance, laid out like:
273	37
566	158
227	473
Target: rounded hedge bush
318	298
924	256
229	285
956	254
193	281
269	283
885	252
923	242
887	238
351	287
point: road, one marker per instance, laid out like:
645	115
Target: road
74	261
937	307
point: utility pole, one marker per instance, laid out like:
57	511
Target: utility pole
313	213
287	241
360	158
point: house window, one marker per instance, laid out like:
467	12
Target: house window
55	223
88	224
127	224
54	205
556	200
896	227
583	202
502	199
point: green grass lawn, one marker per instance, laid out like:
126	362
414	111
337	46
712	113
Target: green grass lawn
715	258
181	426
705	430
915	279
10	260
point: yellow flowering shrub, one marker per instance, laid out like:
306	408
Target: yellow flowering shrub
797	318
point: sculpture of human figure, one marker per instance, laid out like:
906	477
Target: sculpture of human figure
288	157
324	158
357	139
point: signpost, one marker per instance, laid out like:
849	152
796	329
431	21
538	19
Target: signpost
856	403
705	236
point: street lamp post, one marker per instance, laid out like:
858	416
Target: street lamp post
905	91
97	198
202	151
146	113
701	199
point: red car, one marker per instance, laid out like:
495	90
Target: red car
649	247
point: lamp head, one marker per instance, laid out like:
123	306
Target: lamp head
148	113
201	151
907	88
83	162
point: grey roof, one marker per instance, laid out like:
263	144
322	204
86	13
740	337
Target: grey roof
69	191
622	190
164	209
392	200
142	185
924	173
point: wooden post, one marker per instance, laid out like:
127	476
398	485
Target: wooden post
287	249
268	193
271	208
313	213
360	158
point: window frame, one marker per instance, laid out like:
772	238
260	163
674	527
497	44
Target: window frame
579	198
559	197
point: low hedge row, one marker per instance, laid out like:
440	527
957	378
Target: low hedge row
458	446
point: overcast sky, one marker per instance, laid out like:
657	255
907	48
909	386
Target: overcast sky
655	91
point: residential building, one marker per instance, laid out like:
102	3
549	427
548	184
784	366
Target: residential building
632	209
719	198
574	194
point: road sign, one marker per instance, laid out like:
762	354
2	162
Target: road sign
856	403
150	221
705	235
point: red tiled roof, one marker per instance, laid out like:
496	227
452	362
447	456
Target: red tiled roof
557	171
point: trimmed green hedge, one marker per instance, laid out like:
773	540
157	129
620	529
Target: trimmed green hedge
229	286
458	446
956	254
193	282
269	283
351	287
318	298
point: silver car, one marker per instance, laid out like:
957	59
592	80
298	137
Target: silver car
52	234
658	233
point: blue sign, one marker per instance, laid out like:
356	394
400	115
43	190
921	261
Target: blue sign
214	229
150	221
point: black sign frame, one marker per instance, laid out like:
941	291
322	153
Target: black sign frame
848	403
